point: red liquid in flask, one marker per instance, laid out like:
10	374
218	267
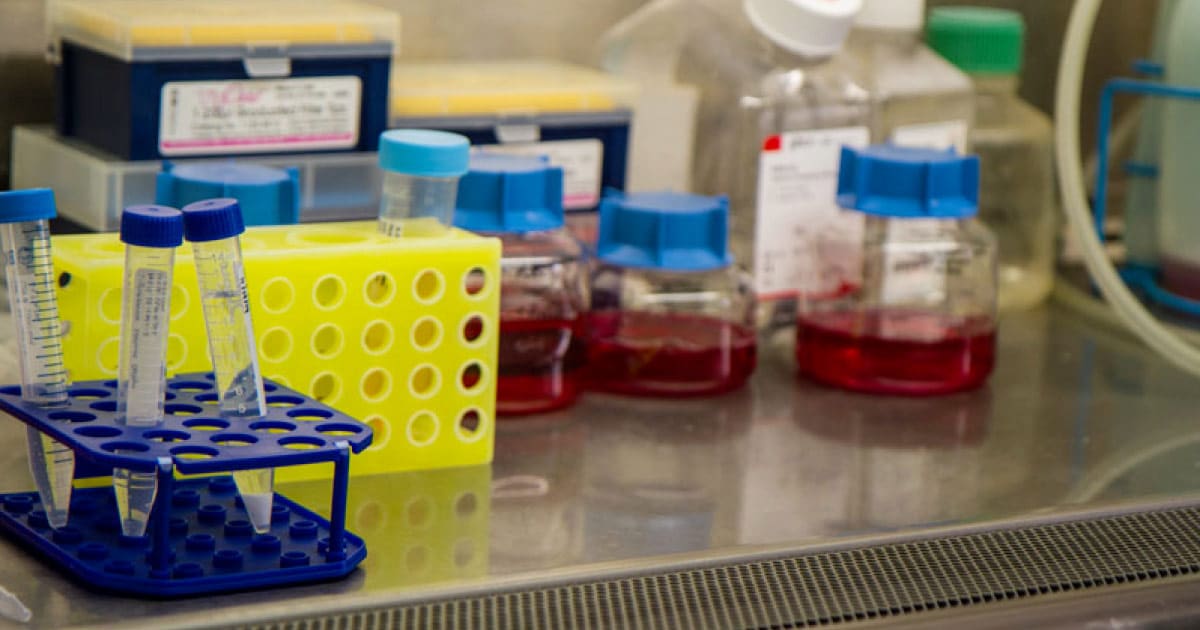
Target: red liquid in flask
896	352
538	365
668	355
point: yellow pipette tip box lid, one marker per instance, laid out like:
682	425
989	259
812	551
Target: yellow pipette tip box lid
496	87
119	27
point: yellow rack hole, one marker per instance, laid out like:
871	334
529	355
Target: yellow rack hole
475	282
278	295
376	384
326	387
429	286
425	381
329	292
382	431
422	429
379	289
327	341
276	344
426	333
377	337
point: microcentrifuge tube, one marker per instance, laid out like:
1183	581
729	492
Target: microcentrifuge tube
213	227
151	234
25	237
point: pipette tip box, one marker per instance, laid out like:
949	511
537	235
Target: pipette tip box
199	539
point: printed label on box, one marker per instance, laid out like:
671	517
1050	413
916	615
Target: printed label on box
255	116
797	210
582	162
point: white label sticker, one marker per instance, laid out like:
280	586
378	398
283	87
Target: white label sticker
252	116
582	162
915	268
937	135
797	207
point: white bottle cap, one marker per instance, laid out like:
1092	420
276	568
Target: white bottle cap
892	15
812	28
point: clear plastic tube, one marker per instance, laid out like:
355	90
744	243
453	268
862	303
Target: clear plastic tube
141	372
30	274
226	305
417	206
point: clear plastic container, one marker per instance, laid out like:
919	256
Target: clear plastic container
1014	142
775	106
923	319
543	279
670	314
919	99
420	180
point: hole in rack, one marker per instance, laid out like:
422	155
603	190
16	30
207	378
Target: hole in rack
177	351
71	416
179	302
209	398
329	292
376	384
272	426
472	330
64	279
190	386
425	381
181	409
301	443
107	406
206	424
339	429
276	344
326	387
377	337
379	289
193	451
87	393
278	295
471	376
125	447
98	432
310	414
110	306
166	436
422	428
381	431
470	423
475	282
233	439
428	286
327	341
284	400
270	387
427	333
11	390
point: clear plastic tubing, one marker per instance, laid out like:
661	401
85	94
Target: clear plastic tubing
151	234
25	235
214	227
420	180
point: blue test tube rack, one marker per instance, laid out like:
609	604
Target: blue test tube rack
199	539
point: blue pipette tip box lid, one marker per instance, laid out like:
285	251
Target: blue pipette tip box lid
424	152
510	194
664	230
904	182
152	226
33	204
267	196
212	220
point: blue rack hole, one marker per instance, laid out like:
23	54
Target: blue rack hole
270	387
238	529
294	559
37	519
206	424
181	409
280	513
88	393
177	526
284	400
301	443
339	429
11	390
93	551
98	432
272	426
112	383
187	570
72	416
121	567
201	542
185	498
228	559
209	376
107	406
303	530
68	536
266	543
190	386
234	439
310	414
207	398
18	504
166	435
222	485
125	447
192	451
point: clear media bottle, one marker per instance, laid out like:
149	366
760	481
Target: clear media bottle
923	320
670	315
919	99
420	179
1014	142
543	295
775	107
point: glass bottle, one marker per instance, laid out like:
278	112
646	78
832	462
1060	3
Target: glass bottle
543	277
1014	142
671	316
923	320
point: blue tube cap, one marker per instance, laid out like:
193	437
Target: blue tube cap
268	196
664	230
424	152
33	204
152	226
510	194
212	220
891	181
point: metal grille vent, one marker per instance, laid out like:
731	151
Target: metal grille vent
828	588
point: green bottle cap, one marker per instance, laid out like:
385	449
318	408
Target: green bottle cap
976	39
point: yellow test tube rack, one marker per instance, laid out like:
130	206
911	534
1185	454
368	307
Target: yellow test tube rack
399	333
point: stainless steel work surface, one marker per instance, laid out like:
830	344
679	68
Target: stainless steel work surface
1075	417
